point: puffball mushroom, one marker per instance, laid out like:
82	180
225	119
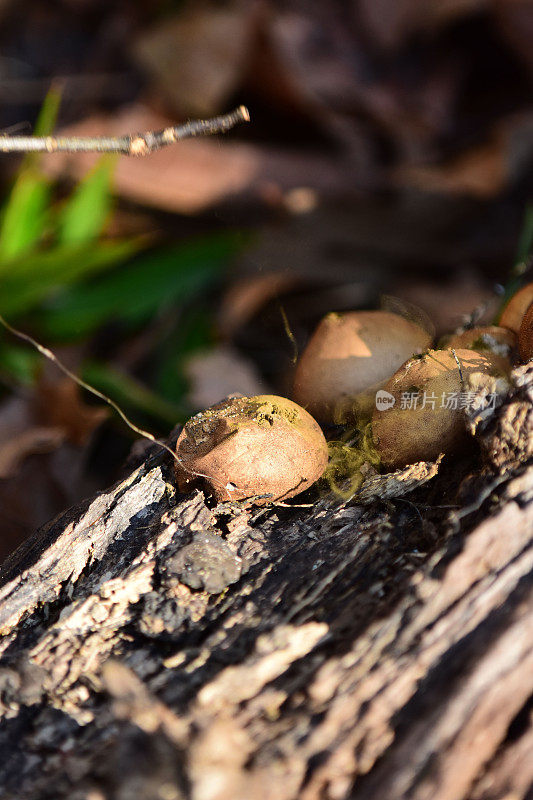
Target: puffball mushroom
349	356
492	341
525	336
262	449
513	313
403	434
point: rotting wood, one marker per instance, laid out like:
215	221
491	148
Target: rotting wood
154	646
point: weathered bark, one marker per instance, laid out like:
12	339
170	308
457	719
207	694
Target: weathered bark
154	647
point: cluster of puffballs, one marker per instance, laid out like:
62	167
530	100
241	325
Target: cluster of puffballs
266	448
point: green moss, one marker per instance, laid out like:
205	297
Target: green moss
238	411
346	459
288	414
265	408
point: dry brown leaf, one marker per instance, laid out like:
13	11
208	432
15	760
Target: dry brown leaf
197	57
59	404
480	172
392	21
34	440
306	65
39	473
515	21
309	63
434	13
186	178
21	437
483	171
242	300
194	175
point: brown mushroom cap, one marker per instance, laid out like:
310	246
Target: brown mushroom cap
351	355
246	447
513	313
405	435
492	341
525	336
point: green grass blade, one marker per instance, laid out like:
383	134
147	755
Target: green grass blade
48	114
19	363
31	281
136	292
194	332
130	393
84	216
25	215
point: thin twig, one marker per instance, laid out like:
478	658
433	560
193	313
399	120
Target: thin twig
51	356
137	144
44	351
459	366
290	335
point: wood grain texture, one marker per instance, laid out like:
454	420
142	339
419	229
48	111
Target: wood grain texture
155	646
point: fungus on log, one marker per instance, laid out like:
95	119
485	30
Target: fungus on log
158	645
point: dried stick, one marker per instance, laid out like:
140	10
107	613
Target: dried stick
51	356
137	144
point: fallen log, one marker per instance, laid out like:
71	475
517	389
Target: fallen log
155	645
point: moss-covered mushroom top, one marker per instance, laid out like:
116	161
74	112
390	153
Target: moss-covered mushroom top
262	448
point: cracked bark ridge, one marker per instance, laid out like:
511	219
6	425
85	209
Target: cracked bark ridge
154	646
